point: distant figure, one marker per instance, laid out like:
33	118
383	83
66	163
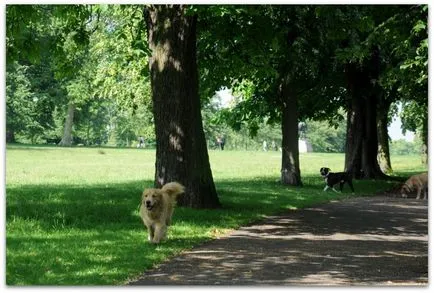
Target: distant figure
141	142
264	146
273	146
221	142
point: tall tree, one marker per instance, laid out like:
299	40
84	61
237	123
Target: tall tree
391	53
33	30
290	166
362	62
406	34
19	101
72	67
274	49
120	75
362	138
402	37
76	56
181	153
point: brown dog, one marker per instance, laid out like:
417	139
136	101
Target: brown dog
157	208
419	182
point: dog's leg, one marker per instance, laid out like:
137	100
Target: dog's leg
335	190
160	233
150	233
326	187
419	190
350	183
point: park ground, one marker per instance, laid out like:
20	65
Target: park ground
364	241
72	213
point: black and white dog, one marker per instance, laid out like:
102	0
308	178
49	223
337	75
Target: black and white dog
331	179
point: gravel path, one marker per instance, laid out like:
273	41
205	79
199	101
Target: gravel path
379	241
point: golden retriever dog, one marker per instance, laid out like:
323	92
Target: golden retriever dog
419	182
157	207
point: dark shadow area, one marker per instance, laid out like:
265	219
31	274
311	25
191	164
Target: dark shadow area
91	206
79	259
62	206
88	206
68	235
362	241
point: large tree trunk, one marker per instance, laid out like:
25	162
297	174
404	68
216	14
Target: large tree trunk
290	171
362	141
355	126
370	166
181	153
67	130
383	135
425	140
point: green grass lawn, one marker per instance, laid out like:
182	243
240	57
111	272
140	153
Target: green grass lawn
72	213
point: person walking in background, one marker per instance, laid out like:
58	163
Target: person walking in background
219	142
264	146
222	142
273	146
141	142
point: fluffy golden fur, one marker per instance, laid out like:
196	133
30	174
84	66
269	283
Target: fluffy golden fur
418	182
157	207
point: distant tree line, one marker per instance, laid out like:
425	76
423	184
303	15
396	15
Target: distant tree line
78	79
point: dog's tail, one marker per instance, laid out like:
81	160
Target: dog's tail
173	189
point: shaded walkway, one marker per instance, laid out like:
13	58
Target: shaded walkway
362	241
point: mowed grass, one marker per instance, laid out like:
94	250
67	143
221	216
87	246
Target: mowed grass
72	213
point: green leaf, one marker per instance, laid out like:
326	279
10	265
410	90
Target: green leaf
420	25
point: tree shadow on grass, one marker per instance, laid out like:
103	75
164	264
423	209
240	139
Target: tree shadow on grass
69	234
85	257
92	234
56	206
81	235
91	206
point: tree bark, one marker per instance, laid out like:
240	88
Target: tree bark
383	136
425	141
355	127
362	137
67	130
181	152
290	171
370	166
